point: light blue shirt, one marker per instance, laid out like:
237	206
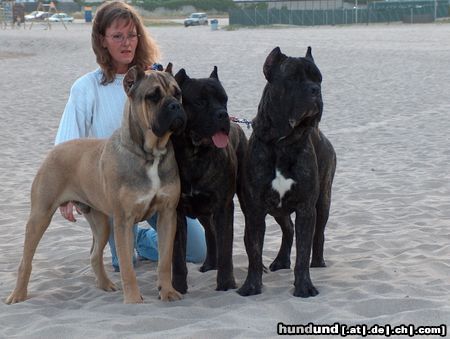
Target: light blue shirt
93	110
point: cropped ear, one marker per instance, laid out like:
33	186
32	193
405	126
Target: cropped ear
169	68
309	54
214	73
134	75
181	77
273	60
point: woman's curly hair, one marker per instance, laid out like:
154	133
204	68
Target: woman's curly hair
147	51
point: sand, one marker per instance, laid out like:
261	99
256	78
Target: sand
386	111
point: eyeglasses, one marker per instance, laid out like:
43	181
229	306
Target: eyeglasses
120	38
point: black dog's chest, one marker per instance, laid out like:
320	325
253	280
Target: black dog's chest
288	179
290	187
203	178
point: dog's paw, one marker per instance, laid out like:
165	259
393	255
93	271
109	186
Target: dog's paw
133	299
250	289
180	285
305	290
226	285
107	286
280	264
318	263
207	267
169	294
16	297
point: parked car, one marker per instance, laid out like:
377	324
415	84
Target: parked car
43	16
37	15
58	17
196	19
32	15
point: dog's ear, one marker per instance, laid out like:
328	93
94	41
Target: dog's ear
133	76
273	60
169	68
309	54
181	77
214	73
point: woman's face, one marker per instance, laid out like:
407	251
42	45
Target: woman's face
121	41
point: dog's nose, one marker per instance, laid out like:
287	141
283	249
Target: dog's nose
222	115
174	106
315	90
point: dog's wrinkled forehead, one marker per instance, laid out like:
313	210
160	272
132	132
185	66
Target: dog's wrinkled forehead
300	68
155	81
204	88
153	85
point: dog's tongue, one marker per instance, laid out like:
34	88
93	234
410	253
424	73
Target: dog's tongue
220	139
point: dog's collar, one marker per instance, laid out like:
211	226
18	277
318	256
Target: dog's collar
157	67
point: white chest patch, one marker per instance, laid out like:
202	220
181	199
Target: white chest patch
152	172
281	184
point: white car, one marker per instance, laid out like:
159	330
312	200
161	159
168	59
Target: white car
58	17
33	15
196	19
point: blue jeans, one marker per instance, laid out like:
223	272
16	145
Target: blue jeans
146	242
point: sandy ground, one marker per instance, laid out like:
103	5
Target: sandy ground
385	90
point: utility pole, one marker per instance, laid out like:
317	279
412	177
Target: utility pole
356	10
435	10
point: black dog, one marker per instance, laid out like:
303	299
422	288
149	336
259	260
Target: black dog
289	168
208	154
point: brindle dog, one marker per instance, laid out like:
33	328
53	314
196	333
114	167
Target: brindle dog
209	153
289	169
129	176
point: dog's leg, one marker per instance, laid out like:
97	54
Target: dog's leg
223	222
179	268
123	237
304	227
255	228
167	224
323	212
99	223
211	245
283	259
37	224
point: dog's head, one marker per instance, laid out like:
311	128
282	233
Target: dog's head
154	106
292	97
205	104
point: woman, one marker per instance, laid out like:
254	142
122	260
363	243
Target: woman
95	107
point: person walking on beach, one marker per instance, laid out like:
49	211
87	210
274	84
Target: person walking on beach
95	107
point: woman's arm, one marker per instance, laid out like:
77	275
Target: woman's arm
76	119
75	123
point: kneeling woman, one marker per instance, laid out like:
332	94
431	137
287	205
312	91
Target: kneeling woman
95	108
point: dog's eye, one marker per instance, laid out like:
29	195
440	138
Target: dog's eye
177	94
155	96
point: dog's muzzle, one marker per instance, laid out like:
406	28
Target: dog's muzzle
178	115
171	118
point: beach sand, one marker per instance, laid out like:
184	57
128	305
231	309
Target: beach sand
387	113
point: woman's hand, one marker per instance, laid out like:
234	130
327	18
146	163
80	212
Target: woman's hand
66	211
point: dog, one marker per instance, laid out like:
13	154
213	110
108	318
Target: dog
289	169
208	153
129	176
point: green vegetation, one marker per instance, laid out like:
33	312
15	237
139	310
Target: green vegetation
201	5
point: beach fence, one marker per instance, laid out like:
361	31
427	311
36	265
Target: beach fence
12	14
337	12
